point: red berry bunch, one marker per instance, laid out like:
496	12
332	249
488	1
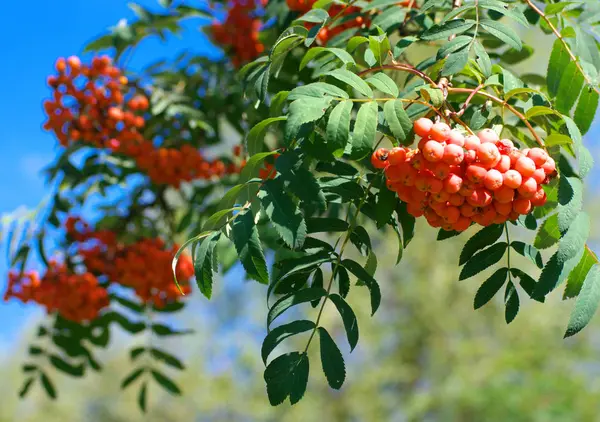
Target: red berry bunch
325	34
88	104
145	265
240	32
267	171
454	180
76	297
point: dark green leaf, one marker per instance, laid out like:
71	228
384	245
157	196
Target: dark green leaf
397	119
132	377
348	318
480	240
26	387
502	32
511	302
490	287
454	45
302	296
343	281
166	383
279	334
528	251
407	222
586	109
66	367
363	276
167	358
569	88
164	330
245	238
353	80
142	397
332	360
338	128
287	375
559	60
579	273
203	263
483	260
48	386
134	353
255	138
455	62
453	27
548	234
365	128
325	225
303	111
447	234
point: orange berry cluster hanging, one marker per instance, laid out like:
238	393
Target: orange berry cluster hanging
88	104
76	297
144	266
455	180
240	32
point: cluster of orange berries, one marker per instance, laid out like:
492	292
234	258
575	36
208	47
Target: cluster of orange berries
88	104
76	297
144	266
240	32
454	180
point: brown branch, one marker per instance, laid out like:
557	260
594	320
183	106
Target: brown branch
564	43
402	67
504	104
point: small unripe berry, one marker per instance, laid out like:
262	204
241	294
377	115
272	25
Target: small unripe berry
440	131
453	154
525	166
433	151
422	126
493	180
488	135
512	179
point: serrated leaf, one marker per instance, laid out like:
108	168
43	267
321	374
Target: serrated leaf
203	263
570	199
490	287
383	83
386	204
348	318
528	251
283	213
338	127
304	110
255	138
483	260
548	233
527	283
559	60
340	53
365	128
332	360
407	222
317	90
247	243
579	273
397	119
287	375
483	59
453	27
586	109
455	62
302	296
363	276
352	80
502	32
299	180
586	303
279	334
511	302
343	281
166	383
569	88
483	238
454	45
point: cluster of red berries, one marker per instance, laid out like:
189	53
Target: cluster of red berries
144	266
454	180
88	104
267	171
76	297
240	32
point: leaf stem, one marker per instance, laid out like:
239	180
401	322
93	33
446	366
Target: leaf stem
564	43
507	249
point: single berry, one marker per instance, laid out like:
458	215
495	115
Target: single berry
539	198
539	175
379	158
453	183
475	173
504	165
525	166
503	208
549	166
468	210
504	195
488	135
440	131
433	151
522	206
453	154
488	154
456	138
440	170
472	142
538	155
480	198
528	188
493	180
396	156
512	179
462	224
423	126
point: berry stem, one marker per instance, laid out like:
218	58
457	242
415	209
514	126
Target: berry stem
564	43
508	248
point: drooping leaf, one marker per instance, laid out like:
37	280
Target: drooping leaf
135	374
363	276
502	32
453	27
325	225
548	233
348	318
166	358
302	296
528	251
203	263
48	386
383	83
397	119
586	109
511	302
527	283
579	273
279	334
338	127
352	80
586	303
490	287
255	138
483	238
287	375
569	88
167	383
332	360
245	238
365	128
483	260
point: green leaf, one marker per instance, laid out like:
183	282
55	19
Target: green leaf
502	32
245	238
483	59
142	397
167	358
455	62
483	260
586	303
386	204
279	334
447	234
312	53
332	360
434	95
586	109
249	171
365	128
203	263
287	376
166	383
557	139
528	251
559	60
454	45
539	111
384	83
131	378
304	110
338	127
569	88
325	225
490	287
26	387
380	46
164	330
134	353
299	180
314	16
483	238
527	283
397	119
407	222
317	90
511	302
363	276
453	27
283	213
353	80
579	273
48	386
343	281
348	318
570	199
66	367
548	233
254	140
302	296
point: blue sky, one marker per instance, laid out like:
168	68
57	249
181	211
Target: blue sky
33	38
